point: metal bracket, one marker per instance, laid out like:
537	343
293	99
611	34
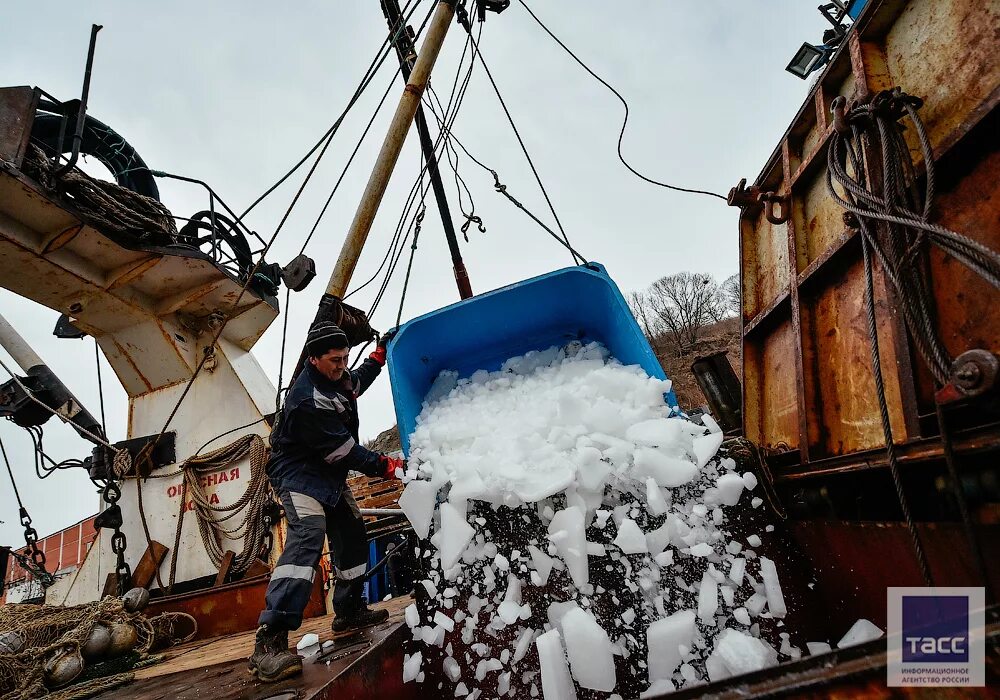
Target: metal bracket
298	273
498	6
753	199
973	373
143	463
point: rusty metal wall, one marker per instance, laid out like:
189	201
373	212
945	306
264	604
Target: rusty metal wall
809	393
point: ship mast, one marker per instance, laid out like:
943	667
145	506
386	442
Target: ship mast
394	17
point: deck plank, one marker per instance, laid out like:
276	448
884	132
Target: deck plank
216	669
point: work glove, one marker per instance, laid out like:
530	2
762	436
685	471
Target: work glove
390	464
379	354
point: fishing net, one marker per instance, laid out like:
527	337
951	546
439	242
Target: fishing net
38	643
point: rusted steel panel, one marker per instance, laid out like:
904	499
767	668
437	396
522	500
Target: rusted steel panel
843	413
968	307
945	53
766	250
819	221
853	579
17	112
770	403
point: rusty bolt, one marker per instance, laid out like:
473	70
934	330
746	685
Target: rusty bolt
969	373
975	372
76	308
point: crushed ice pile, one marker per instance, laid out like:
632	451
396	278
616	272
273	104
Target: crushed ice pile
579	538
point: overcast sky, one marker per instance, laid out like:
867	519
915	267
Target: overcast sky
235	92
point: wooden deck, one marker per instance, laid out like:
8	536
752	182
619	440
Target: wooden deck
216	669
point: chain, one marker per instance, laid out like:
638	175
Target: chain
30	533
111	519
37	555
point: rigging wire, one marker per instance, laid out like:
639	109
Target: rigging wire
364	134
100	385
336	187
392	252
366	81
17	494
404	18
577	258
621	134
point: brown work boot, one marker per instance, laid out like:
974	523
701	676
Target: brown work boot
362	617
271	659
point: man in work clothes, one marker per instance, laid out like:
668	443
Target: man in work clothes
313	446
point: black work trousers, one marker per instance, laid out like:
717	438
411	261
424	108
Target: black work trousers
309	523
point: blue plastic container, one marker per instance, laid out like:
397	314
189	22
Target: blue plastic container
575	303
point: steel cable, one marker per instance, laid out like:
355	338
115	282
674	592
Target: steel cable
621	134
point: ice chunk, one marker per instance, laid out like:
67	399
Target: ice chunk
742	616
742	653
503	683
461	690
753	541
523	644
664	558
730	487
442	386
817	648
654	433
456	535
755	603
664	639
667	470
589	650
601	518
708	599
417	503
706	446
444	621
573	546
728	595
861	631
716	667
307	641
411	666
412	615
710	423
630	538
487	666
749	480
509	611
557	684
452	669
702	549
593	471
737	568
772	588
655	502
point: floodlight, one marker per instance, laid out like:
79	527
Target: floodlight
807	59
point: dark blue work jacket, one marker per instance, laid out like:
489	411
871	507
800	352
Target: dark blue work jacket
315	442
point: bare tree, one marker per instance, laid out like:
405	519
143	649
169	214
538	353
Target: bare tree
730	290
683	303
639	303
